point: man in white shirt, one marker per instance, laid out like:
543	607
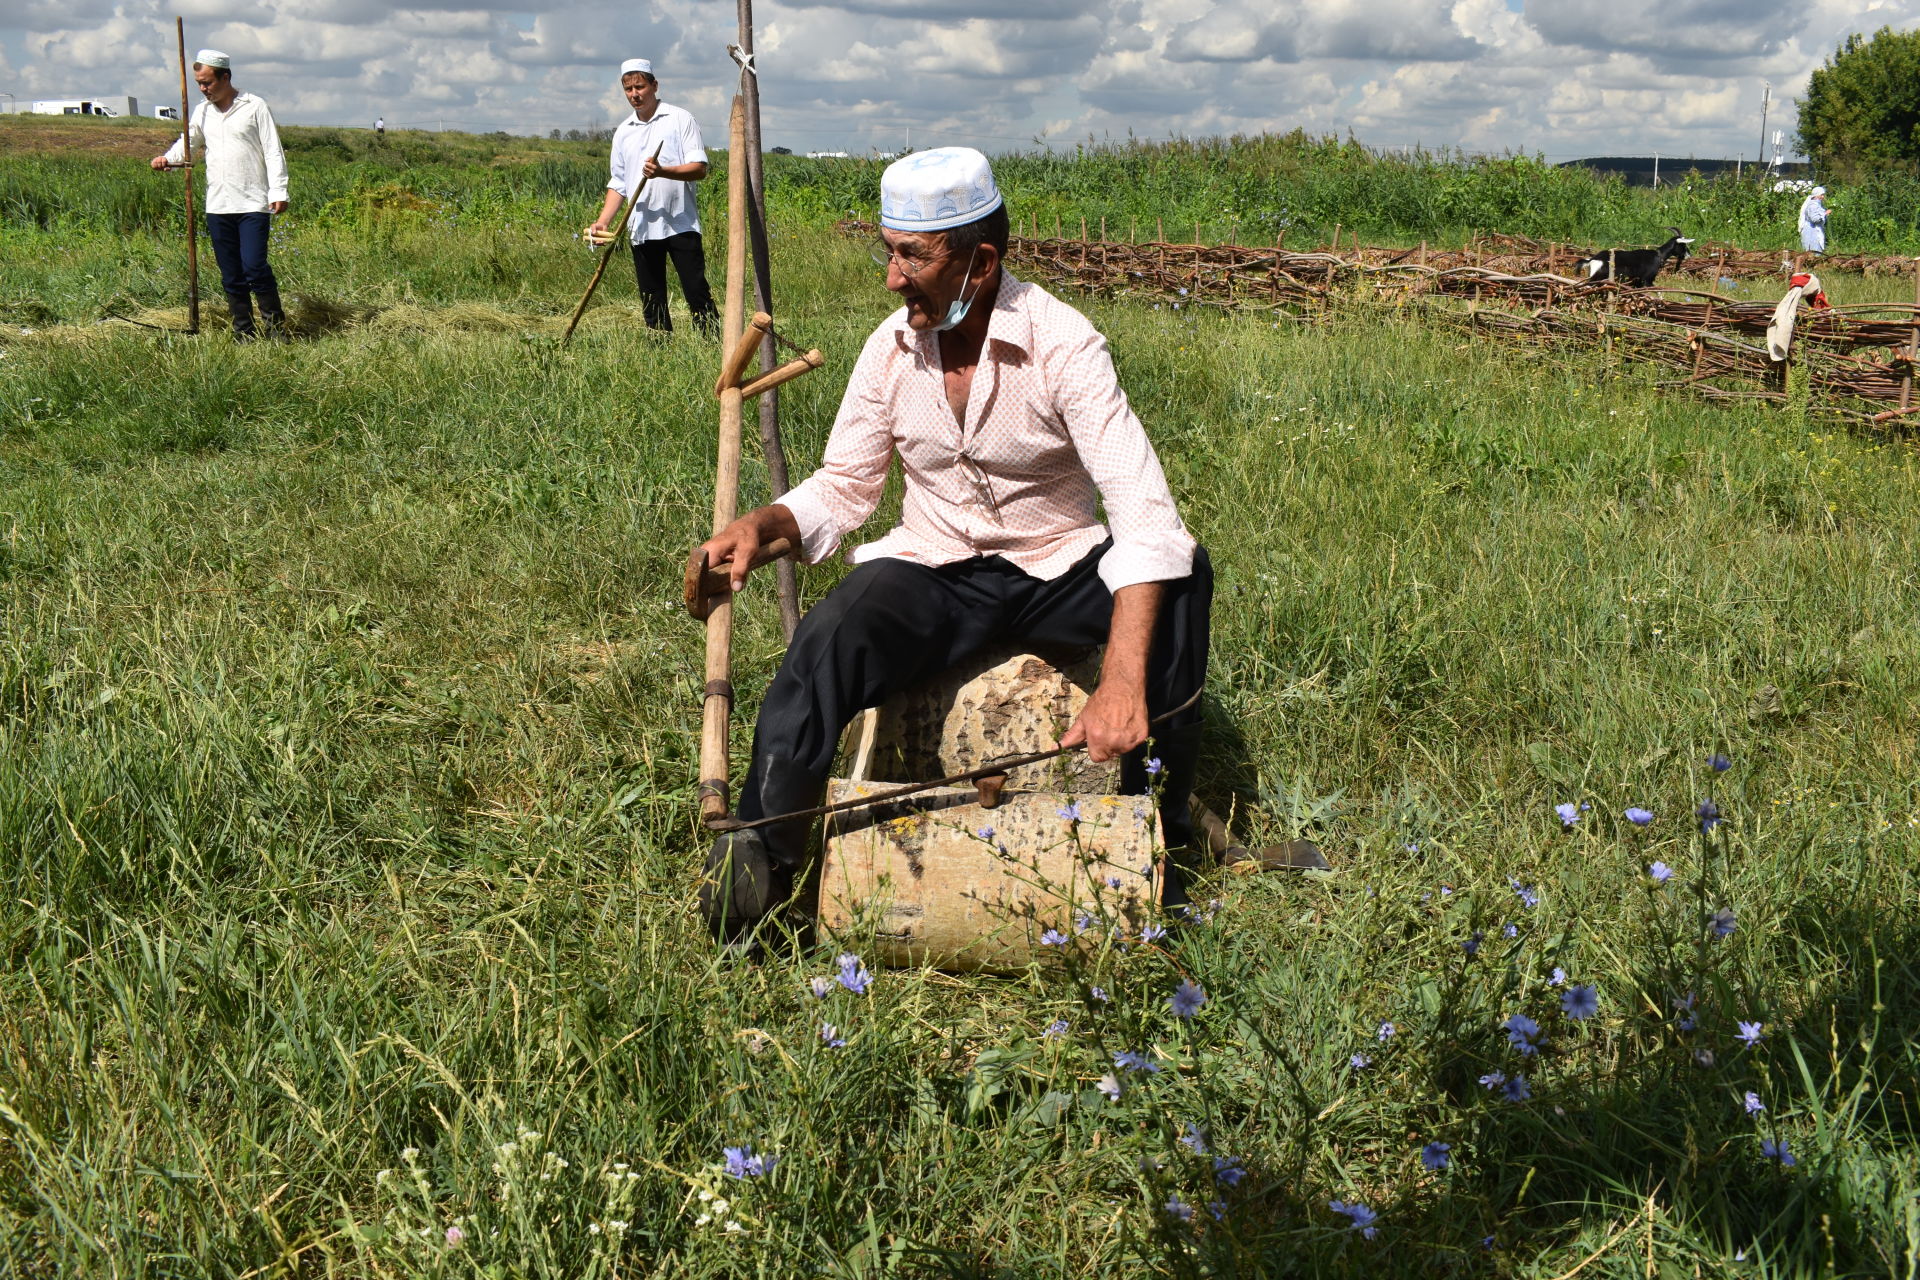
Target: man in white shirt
1014	439
666	221
234	135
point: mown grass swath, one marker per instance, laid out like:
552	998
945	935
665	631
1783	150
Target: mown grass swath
347	722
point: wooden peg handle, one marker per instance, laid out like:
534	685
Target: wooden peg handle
742	354
785	373
701	584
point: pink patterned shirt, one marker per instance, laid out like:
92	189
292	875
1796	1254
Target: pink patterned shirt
1048	430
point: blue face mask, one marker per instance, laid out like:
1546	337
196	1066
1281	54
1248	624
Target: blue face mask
958	308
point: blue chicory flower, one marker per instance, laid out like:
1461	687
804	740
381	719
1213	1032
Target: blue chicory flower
1228	1170
1177	1209
1709	814
1509	930
1559	977
1053	938
1055	1029
1434	1156
1194	1139
821	987
1128	1060
1569	814
1660	872
1580	1002
1529	898
1472	945
1516	1089
1523	1033
853	975
1186	998
1493	1079
1777	1150
743	1163
1109	1085
1154	766
831	1035
986	832
1387	1032
1719	763
1071	812
1100	994
1722	922
1639	817
1152	933
1750	1033
1359	1062
1361	1216
1752	1103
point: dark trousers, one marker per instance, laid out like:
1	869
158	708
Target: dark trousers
690	264
893	623
240	247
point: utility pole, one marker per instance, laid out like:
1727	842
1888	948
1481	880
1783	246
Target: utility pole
1766	100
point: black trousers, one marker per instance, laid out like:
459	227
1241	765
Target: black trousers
240	248
690	264
893	623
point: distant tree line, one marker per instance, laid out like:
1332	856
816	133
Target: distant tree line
1861	114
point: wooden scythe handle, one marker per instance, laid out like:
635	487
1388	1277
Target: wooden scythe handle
702	584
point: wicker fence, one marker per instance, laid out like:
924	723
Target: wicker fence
1856	361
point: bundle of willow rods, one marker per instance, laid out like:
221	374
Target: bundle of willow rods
1858	358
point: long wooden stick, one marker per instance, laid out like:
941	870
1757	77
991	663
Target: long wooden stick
770	444
619	233
186	166
718	706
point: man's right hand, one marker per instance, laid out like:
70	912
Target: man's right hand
736	545
595	234
159	162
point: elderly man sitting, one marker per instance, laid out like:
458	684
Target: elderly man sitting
1003	406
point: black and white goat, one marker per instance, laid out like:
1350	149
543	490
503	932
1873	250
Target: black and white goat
1635	267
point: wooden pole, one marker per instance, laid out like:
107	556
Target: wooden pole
786	578
186	167
1913	343
717	711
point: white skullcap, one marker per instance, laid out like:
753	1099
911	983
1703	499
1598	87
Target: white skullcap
935	190
632	65
1820	191
213	58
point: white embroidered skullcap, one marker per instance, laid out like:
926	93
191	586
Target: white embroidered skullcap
938	189
1820	191
632	65
213	58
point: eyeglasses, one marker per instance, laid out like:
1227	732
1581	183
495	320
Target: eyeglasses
909	266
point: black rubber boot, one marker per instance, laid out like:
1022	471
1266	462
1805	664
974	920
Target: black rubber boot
272	315
741	886
240	308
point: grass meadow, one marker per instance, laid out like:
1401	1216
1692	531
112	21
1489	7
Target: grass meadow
348	725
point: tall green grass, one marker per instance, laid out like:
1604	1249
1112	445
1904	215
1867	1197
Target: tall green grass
1252	189
347	746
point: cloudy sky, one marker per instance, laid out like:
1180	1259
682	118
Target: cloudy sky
1561	77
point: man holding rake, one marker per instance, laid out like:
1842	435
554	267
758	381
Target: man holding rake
665	221
1003	406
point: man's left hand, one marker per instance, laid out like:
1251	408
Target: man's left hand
1111	724
278	206
651	168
